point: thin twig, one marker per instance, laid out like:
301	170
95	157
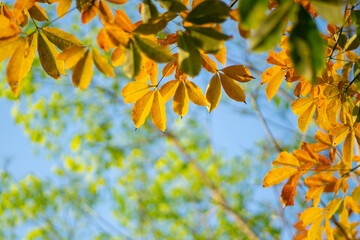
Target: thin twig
233	3
264	123
215	191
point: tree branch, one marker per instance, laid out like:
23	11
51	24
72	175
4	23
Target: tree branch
215	191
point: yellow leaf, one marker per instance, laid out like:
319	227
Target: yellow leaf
286	159
38	13
344	215
158	114
239	73
135	90
339	134
332	207
328	230
60	38
213	92
305	118
181	100
83	71
168	69
20	63
168	89
277	175
274	77
300	105
63	7
310	215
72	56
195	94
102	63
8	46
208	64
48	57
118	56
123	21
314	193
233	89
142	109
315	230
348	149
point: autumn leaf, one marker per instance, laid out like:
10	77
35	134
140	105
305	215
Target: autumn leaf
72	56
213	92
102	63
168	89
195	94
158	114
233	89
142	108
83	71
20	63
48	57
181	100
277	175
273	76
134	90
239	73
60	38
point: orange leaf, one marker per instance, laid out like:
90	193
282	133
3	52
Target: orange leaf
239	73
274	77
105	13
123	21
277	175
117	1
288	192
89	11
305	118
208	64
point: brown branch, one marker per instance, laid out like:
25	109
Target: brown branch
233	3
264	123
215	191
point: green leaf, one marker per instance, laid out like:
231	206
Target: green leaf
331	10
153	50
172	5
148	11
208	39
210	11
343	39
155	25
189	56
132	62
355	17
252	12
307	47
268	34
